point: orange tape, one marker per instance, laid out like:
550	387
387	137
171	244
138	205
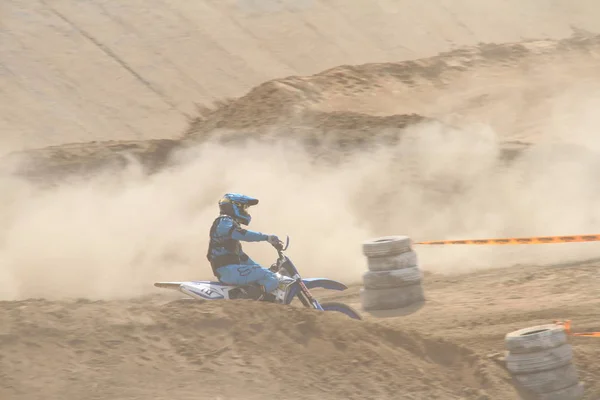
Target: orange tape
567	325
529	240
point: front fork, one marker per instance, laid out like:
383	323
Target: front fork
306	297
304	294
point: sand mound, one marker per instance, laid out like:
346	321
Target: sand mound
132	349
465	85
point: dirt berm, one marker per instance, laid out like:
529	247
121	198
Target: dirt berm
127	350
158	347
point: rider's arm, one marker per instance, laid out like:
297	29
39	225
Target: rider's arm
226	227
248	236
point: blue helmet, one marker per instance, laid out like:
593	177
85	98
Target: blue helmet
236	205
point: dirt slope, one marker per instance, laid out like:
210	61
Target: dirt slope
510	87
525	92
98	70
234	351
450	348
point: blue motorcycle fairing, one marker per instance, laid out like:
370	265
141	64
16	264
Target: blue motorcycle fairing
323	283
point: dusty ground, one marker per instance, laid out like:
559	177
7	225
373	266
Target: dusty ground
449	348
497	139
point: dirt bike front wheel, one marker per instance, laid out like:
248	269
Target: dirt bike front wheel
341	307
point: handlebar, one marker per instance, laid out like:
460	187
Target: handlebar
279	246
280	249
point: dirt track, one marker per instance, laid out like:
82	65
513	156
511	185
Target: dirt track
450	348
493	140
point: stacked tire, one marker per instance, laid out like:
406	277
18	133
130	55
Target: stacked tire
393	279
540	361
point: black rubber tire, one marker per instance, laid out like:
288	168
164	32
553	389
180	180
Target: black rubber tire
392	279
535	338
389	263
342	308
543	360
386	246
574	392
390	299
549	381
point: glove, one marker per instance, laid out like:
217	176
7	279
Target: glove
275	242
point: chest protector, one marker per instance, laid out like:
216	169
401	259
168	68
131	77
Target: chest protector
223	250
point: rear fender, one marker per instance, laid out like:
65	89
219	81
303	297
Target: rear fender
205	291
201	290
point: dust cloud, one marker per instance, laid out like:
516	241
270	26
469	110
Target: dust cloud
112	236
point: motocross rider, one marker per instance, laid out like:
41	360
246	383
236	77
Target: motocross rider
230	264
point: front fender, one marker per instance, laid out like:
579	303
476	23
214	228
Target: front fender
312	283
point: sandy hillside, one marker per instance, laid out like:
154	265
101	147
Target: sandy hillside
98	70
348	122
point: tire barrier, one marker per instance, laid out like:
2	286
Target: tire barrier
540	362
393	279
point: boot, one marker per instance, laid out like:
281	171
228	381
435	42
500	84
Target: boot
280	293
263	295
255	292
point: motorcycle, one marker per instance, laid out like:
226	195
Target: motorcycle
289	278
